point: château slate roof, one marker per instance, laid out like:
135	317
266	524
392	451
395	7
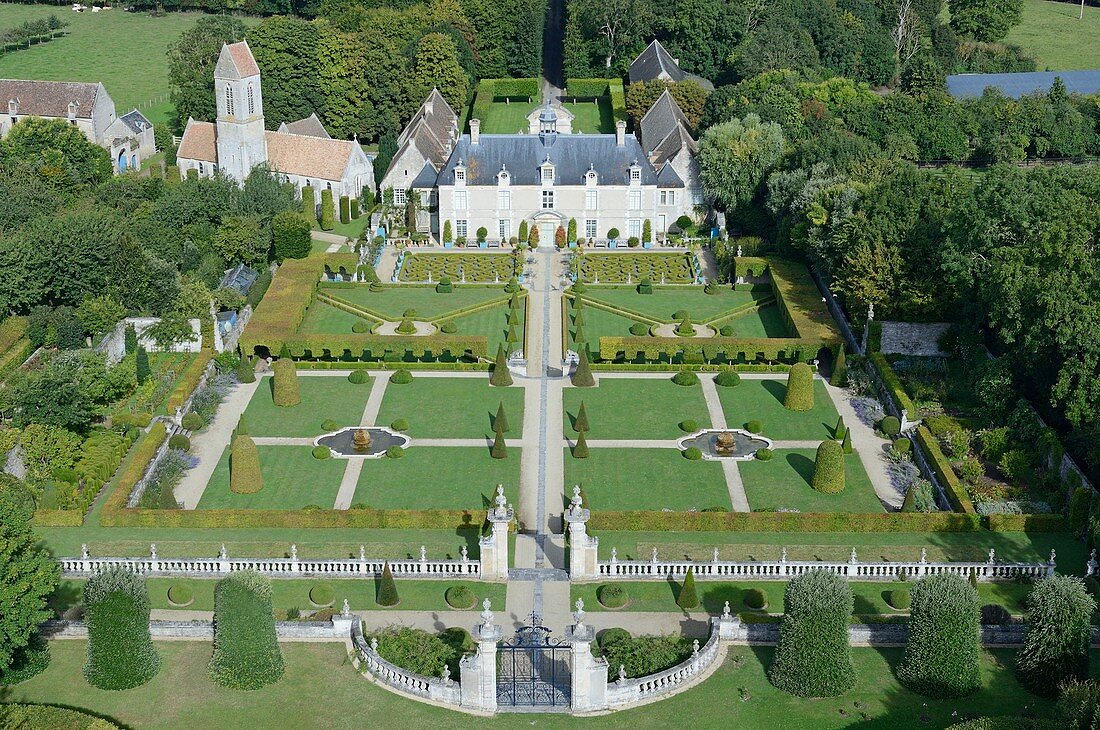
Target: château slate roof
656	63
49	98
426	179
432	129
1015	85
309	127
664	130
572	155
136	121
668	177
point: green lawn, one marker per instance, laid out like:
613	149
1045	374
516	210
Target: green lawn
323	398
762	400
647	479
293	479
324	319
869	597
125	51
438	477
598	323
416	595
1053	33
628	408
351	229
662	303
784	483
765	322
182	692
593	117
493	323
392	301
505	118
452	407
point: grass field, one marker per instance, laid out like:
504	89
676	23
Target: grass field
646	479
663	303
125	51
438	477
293	479
507	118
323	398
324	319
762	400
628	408
1053	33
392	302
493	323
784	483
181	695
451	407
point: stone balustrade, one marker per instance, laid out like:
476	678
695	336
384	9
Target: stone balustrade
438	691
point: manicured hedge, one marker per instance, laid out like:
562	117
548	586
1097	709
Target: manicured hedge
892	383
716	350
284	306
587	88
246	648
189	379
120	651
813	658
943	653
799	395
829	468
285	391
356	517
142	453
244	467
47	717
1056	647
393	348
527	88
952	487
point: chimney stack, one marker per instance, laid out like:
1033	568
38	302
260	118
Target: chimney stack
475	131
620	133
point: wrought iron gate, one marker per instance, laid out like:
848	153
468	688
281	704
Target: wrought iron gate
533	669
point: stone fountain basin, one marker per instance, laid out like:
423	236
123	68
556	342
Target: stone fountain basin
342	443
746	444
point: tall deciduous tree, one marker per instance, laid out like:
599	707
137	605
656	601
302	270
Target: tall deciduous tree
985	20
56	151
28	576
735	156
436	65
191	62
1056	647
285	51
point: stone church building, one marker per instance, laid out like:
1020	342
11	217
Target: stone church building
300	152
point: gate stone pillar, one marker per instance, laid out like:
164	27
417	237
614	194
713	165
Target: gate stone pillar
583	549
478	672
589	678
494	548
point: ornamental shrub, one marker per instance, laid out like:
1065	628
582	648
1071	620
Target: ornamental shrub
309	204
726	330
355	210
460	597
386	594
800	388
244	372
890	426
639	329
898	599
727	379
395	452
688	598
632	242
360	328
401	377
242	426
345	209
681	314
829	468
1056	647
580	450
560	237
448	231
839	378
400	424
321	452
290	235
329	425
500	449
846	445
27	661
754	426
192	422
685	328
613	233
482	233
645	286
406	327
500	377
246	648
582	376
523	231
285	391
141	367
327	213
692	453
813	658
765	455
444	286
245	476
358	377
321	594
120	651
179	442
500	420
689	426
686	377
839	429
448	328
612	595
943	654
901	445
581	423
909	503
180	594
756	599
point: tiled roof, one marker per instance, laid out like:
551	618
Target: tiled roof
432	129
664	130
49	98
297	154
310	127
136	121
655	62
1016	85
235	61
572	154
200	142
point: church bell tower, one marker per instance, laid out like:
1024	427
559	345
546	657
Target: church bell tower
241	141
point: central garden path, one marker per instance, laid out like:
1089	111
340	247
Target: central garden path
355	466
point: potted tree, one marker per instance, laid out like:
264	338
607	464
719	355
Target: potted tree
647	234
482	234
560	237
448	235
612	238
572	236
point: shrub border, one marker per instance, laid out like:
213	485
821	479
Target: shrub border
799	522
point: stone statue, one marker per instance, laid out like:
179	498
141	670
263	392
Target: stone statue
1092	565
852	559
423	553
346	610
726	611
654	556
783	555
575	504
465	554
724	443
362	553
715	556
84	551
361	440
486	613
578	615
992	556
222	554
622	674
153	550
739	254
923	555
615	555
293	552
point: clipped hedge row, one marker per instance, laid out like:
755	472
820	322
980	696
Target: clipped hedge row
710	350
120	650
357	517
799	300
587	87
189	379
145	448
335	301
58	518
528	88
246	648
952	487
892	383
821	522
48	717
344	365
284	307
388	348
12	330
660	367
15	357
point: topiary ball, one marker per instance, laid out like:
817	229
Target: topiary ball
410	313
726	330
401	377
395	452
890	426
765	455
460	597
329	425
360	327
754	426
612	595
400	424
610	637
192	422
898	599
639	330
448	328
902	445
693	454
180	594
756	599
358	377
179	442
681	314
686	377
689	426
321	452
727	379
321	595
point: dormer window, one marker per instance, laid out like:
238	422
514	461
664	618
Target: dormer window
547	172
72	110
503	177
13	107
635	173
590	178
460	173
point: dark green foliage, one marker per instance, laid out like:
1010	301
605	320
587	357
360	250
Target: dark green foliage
500	421
290	236
501	376
141	367
448	328
639	329
839	429
686	377
581	423
499	449
580	451
909	504
321	452
943	654
245	372
829	468
120	650
1079	704
180	442
756	599
689	426
420	651
688	598
582	376
754	426
727	379
765	455
645	286
395	452
812	658
245	476
901	445
846	446
444	287
400	424
387	589
130	339
643	655
460	597
246	648
401	377
406	327
1078	514
1056	647
800	388
242	426
286	392
839	378
327	214
890	426
28	575
358	377
899	599
26	662
692	453
612	595
345	209
192	421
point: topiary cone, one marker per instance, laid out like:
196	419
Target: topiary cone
244	466
387	588
578	334
580	451
500	449
839	430
245	373
846	447
285	391
582	376
800	388
500	422
829	468
839	378
500	377
688	598
581	424
511	336
909	504
242	426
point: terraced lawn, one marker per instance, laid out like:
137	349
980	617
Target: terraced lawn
391	302
662	303
324	319
593	117
636	408
762	400
646	479
293	479
765	322
324	397
451	407
784	483
438	477
493	323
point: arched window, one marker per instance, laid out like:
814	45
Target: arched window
251	101
229	100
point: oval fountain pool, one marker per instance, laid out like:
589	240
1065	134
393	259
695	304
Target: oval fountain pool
729	443
364	442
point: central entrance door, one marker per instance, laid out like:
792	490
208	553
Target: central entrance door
533	669
546	234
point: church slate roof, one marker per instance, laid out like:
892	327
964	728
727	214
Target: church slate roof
664	130
572	155
309	127
655	62
136	121
426	179
49	98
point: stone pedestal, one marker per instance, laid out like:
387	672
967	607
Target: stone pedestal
478	672
494	548
589	681
583	549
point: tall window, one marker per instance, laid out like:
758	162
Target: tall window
504	228
460	200
504	199
667	197
589	227
547	199
634	228
399	196
229	100
460	228
634	199
251	101
591	199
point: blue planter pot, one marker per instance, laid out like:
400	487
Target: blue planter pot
572	244
448	244
647	245
612	244
483	244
